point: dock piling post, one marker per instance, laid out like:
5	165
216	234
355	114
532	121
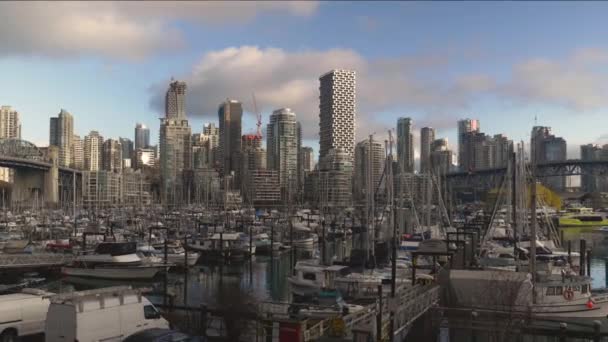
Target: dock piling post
379	315
582	249
588	262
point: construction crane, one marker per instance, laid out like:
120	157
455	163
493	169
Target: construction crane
258	116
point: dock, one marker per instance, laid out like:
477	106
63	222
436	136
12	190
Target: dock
20	262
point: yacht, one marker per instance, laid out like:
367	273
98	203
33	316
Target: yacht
566	297
113	260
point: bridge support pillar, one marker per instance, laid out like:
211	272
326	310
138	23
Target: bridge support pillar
28	187
51	178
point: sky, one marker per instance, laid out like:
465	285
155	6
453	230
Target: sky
509	64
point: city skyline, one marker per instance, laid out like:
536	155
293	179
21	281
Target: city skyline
129	87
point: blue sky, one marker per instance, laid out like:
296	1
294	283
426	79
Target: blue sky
501	62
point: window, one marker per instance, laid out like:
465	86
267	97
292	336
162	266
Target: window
584	288
559	291
309	276
150	312
550	291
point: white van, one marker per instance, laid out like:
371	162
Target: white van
110	314
22	314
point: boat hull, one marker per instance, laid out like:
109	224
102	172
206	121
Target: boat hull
140	272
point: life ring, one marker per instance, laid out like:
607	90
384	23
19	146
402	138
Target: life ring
569	294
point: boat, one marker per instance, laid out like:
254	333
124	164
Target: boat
566	297
113	260
176	254
262	244
232	246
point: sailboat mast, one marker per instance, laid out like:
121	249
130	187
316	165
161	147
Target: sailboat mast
533	229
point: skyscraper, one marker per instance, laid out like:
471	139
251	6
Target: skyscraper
308	159
230	114
112	155
546	148
212	134
441	157
282	148
93	147
175	144
10	126
465	150
175	101
142	136
362	167
335	180
127	148
77	153
61	135
405	144
427	136
337	110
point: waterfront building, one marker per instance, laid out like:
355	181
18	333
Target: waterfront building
77	153
466	129
93	157
145	157
308	159
175	144
10	128
335	180
427	136
142	136
61	135
405	145
264	188
362	167
230	114
547	148
441	157
337	108
282	149
101	189
211	134
128	152
591	182
112	155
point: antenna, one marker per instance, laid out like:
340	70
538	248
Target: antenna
535	120
258	116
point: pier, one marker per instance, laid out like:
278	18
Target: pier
21	262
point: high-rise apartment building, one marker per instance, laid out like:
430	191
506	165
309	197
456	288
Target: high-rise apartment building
175	144
112	155
175	101
212	135
308	159
142	136
362	167
282	148
427	136
465	150
230	114
335	180
337	109
594	182
546	148
405	145
441	157
77	153
93	147
127	148
10	126
61	135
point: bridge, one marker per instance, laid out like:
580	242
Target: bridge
491	178
37	176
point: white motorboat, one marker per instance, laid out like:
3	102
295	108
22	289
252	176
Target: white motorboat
566	297
114	260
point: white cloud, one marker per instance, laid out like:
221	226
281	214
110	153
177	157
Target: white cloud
290	79
126	30
578	82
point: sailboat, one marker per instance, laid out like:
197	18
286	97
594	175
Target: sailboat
534	290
